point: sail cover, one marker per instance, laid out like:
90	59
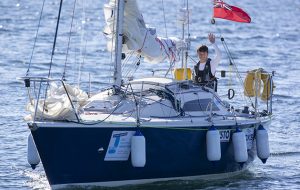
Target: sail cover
138	37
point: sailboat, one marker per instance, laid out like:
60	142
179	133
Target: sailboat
143	130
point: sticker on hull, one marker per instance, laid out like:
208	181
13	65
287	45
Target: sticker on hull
119	146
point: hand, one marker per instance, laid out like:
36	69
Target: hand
211	38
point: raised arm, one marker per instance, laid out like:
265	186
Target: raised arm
214	62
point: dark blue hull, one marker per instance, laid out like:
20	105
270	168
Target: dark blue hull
70	155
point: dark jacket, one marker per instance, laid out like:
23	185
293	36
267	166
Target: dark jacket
205	75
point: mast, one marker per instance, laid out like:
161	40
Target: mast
185	21
118	43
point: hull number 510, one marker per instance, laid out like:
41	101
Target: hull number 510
225	135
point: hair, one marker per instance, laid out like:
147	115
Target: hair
202	48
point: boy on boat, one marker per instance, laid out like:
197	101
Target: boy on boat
205	69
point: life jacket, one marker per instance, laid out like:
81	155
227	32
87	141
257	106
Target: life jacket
205	75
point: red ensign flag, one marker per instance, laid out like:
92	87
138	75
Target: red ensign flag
228	12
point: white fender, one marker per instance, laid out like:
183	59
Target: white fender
33	157
213	144
262	144
239	146
138	150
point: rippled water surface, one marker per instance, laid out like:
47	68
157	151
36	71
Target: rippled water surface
271	41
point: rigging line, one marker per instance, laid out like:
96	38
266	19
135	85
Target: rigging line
53	49
45	98
34	89
113	36
55	37
231	60
188	24
127	69
136	68
72	105
237	72
75	64
165	22
129	62
80	65
226	49
125	63
103	120
130	75
192	59
110	114
35	39
136	103
135	63
70	33
172	64
130	66
140	50
133	94
129	114
127	58
82	54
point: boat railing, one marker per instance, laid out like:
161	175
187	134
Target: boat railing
28	80
257	85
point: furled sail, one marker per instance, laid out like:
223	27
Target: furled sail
57	106
138	37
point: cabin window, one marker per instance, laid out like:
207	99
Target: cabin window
200	105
